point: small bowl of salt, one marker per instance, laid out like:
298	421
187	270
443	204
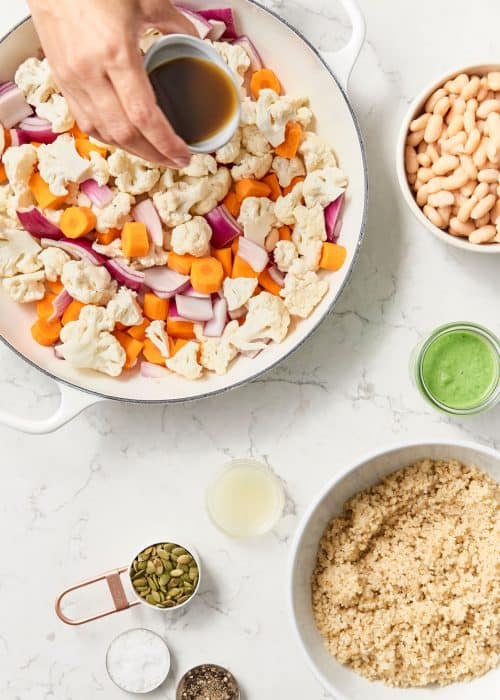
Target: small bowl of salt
138	661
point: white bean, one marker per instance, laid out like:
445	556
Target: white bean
422	195
455	144
495	213
467	190
487	107
441	199
493	146
411	162
436	184
434	98
433	129
481	190
483	207
425	174
473	141
472	88
464	212
457	85
494	80
445	213
415	138
424	159
444	164
489	175
432	152
442	106
456	125
455	181
484	234
458	228
480	157
420	122
468	165
433	216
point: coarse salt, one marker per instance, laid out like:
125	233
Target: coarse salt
138	661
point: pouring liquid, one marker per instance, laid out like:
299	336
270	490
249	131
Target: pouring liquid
197	97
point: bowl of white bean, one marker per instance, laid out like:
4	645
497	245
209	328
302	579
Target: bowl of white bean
448	158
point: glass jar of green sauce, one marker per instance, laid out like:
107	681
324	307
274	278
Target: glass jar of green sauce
457	369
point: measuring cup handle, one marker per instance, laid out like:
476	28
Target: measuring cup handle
115	585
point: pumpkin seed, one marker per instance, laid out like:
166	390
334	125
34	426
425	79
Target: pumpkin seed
174	592
183	599
176	572
164	579
184	559
178	551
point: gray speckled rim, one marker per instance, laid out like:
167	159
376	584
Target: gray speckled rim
255	376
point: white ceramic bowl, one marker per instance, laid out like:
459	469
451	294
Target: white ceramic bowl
340	681
413	111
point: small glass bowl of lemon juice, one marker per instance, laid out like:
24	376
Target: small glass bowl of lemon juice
246	499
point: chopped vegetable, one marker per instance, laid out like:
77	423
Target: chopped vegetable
202	25
155	309
256	62
332	256
77	222
180	263
86	147
271	180
264	79
268	283
35	223
232	204
218	29
3	174
135	240
81	248
224	227
152	354
295	181
133	279
333	219
234	246
153	371
59	305
293	138
99	195
242	269
215	327
139	332
72	312
223	14
54	287
38	130
132	347
165	282
46	332
252	253
285	233
41	192
207	275
145	212
225	257
108	236
193	308
180	329
13	105
251	188
45	307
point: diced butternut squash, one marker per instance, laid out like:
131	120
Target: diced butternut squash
285	233
180	329
232	204
332	256
108	236
135	240
295	181
72	312
42	194
77	222
152	354
271	180
242	269
264	79
267	283
139	332
225	257
293	138
54	287
251	188
180	263
155	308
132	347
207	275
85	148
44	307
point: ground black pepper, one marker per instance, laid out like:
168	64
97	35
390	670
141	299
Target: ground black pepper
208	682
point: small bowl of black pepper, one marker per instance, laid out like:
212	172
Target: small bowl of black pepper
208	682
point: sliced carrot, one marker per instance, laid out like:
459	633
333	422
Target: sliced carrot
7	138
295	181
41	192
293	139
180	263
251	188
108	236
155	309
77	133
272	181
135	240
180	329
257	290
332	256
44	307
72	312
152	354
139	332
85	148
54	287
267	283
235	245
242	269
77	222
207	275
3	174
225	257
285	233
132	347
264	79
178	344
46	332
232	204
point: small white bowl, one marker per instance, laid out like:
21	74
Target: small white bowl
340	681
415	109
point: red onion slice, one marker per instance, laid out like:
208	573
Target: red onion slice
13	105
223	14
201	24
215	327
37	129
256	62
218	29
276	275
145	212
35	223
99	195
58	353
151	371
190	292
60	304
224	227
256	256
123	274
81	249
194	309
164	281
333	219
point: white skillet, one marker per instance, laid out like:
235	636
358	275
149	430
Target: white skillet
303	70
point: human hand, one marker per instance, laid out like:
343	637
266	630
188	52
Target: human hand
92	48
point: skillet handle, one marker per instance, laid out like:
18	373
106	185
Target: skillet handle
73	402
342	62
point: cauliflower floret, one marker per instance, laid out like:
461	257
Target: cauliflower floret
25	288
185	361
174	204
88	283
284	207
201	165
133	174
310	228
56	111
317	152
238	291
115	214
124	308
251	167
35	79
267	319
218	186
88	344
19	162
53	260
254	142
324	186
18	253
286	169
274	113
231	151
248	112
158	336
285	254
257	218
168	179
157	257
218	353
8	215
110	250
98	168
236	58
59	163
192	238
303	290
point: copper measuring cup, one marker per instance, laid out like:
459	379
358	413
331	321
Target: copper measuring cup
119	596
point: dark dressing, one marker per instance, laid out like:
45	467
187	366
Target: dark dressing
197	97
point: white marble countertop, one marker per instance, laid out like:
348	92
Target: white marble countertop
76	502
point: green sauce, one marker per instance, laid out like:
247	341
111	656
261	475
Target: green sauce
460	369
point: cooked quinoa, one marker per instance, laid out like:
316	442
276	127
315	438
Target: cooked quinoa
406	588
